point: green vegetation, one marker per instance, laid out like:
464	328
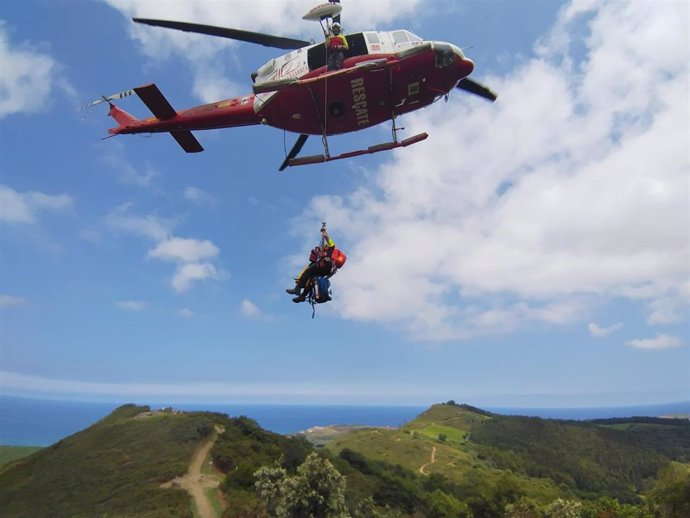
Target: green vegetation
241	450
114	468
10	453
587	458
453	461
493	464
671	492
317	489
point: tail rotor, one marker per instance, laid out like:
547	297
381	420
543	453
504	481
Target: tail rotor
107	99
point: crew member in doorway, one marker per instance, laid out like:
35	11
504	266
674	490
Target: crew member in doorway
336	46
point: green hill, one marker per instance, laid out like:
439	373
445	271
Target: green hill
587	457
123	465
480	454
451	461
114	466
10	453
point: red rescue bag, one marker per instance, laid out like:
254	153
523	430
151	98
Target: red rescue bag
338	257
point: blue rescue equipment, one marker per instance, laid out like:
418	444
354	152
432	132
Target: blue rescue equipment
319	292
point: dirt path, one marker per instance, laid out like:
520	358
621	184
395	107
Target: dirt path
433	459
196	482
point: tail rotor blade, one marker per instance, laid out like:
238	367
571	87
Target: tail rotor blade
473	87
105	99
294	151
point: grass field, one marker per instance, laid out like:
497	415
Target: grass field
448	415
10	453
453	436
320	436
455	458
410	450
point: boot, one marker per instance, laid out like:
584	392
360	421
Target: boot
299	298
294	291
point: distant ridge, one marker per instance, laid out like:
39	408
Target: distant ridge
452	460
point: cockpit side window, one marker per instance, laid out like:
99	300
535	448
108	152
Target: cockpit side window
413	37
372	38
444	55
400	37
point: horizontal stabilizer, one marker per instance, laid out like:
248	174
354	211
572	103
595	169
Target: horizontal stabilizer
156	102
188	141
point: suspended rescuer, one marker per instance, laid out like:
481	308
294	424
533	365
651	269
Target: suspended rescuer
324	261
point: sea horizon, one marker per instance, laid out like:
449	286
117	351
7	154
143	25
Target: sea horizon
26	421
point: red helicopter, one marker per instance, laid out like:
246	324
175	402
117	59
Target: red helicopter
383	75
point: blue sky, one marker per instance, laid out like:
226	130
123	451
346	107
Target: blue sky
531	252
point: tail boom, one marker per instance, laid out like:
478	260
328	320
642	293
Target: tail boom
229	113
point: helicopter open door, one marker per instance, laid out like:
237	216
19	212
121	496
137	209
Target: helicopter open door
316	55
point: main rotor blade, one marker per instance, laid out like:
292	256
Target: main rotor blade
234	34
473	87
295	149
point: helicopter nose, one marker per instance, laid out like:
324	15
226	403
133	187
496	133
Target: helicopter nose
457	51
465	64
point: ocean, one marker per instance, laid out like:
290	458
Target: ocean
38	422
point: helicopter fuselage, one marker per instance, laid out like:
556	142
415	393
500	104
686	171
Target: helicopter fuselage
384	74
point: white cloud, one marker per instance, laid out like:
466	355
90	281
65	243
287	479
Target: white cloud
249	309
143	176
131	305
199	196
279	17
11	382
192	255
17	207
130	175
661	341
666	310
187	274
8	301
150	226
185	250
210	85
569	191
185	313
596	330
27	76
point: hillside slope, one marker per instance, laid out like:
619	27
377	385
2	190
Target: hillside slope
10	453
114	467
452	461
136	463
541	458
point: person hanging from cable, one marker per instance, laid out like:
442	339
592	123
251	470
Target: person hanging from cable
324	261
336	46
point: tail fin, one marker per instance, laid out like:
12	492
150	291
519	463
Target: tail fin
123	119
162	110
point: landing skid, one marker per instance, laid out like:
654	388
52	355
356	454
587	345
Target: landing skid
319	159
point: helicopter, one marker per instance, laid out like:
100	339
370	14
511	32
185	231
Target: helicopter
383	75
